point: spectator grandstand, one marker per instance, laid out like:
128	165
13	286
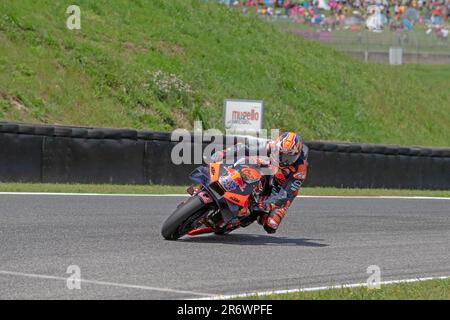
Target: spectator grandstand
354	14
420	27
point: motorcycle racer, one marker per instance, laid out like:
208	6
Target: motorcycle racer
288	156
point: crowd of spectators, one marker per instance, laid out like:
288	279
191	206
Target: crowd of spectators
353	13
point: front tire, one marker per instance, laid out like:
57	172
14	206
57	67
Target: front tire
176	225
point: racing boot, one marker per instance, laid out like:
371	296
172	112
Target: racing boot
234	224
272	221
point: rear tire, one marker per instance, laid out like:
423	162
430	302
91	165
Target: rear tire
172	228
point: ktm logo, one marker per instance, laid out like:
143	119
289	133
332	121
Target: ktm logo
235	199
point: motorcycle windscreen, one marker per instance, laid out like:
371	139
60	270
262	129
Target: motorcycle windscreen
200	175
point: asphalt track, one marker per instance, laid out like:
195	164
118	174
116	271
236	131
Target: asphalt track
116	243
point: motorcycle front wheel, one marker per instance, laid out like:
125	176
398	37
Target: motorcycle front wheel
180	221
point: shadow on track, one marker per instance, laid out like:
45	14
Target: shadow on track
255	240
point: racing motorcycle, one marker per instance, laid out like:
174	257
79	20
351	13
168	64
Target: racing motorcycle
220	202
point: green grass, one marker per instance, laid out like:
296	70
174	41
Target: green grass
91	188
157	189
423	290
101	75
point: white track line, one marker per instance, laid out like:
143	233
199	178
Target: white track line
91	194
104	283
185	195
354	285
375	197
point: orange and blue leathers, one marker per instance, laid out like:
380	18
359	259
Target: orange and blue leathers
283	186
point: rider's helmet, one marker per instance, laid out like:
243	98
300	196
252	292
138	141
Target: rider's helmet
287	149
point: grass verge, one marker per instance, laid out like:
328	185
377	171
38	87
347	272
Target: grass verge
158	189
162	64
421	290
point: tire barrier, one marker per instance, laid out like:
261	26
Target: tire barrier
62	154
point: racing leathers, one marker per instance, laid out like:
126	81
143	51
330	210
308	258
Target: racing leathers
282	187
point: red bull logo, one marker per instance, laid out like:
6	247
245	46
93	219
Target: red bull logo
236	176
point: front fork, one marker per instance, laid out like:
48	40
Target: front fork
208	223
205	225
205	197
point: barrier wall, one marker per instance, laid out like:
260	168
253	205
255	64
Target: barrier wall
38	153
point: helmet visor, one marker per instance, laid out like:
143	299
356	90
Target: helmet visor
288	159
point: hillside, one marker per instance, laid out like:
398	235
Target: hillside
161	64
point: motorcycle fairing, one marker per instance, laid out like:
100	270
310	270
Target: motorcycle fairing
201	175
227	185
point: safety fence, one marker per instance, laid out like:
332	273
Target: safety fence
61	154
417	47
